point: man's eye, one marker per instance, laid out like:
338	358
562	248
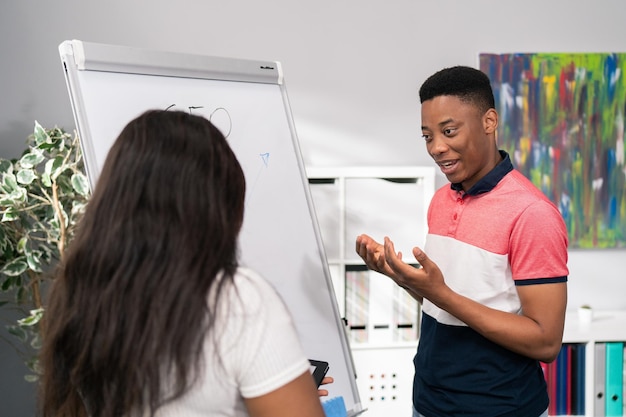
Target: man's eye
448	131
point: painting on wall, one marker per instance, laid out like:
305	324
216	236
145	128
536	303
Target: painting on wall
562	123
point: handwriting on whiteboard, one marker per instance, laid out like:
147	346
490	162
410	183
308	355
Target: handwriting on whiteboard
220	117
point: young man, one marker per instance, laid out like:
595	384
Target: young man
494	267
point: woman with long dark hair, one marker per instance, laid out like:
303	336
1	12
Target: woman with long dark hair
150	314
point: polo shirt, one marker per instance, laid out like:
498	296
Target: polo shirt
501	233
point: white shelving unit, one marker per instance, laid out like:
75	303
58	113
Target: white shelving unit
606	326
378	201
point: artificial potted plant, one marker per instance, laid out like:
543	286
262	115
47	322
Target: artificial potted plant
42	196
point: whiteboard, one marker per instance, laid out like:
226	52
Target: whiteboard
109	85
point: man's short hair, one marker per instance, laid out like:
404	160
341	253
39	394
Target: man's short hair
468	84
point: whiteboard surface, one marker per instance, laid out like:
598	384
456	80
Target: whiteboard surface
280	237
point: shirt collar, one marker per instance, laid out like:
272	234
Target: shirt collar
489	181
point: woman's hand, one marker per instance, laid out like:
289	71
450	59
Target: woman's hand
326	380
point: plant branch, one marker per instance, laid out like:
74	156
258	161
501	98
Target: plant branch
35	285
59	214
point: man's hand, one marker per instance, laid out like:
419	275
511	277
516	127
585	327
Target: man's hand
426	281
377	257
373	254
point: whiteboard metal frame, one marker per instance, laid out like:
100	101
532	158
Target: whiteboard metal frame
78	56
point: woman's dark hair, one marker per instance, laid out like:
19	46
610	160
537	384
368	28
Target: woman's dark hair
469	84
127	314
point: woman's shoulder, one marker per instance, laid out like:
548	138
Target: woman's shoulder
251	290
248	278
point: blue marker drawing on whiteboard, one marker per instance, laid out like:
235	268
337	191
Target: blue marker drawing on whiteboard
265	158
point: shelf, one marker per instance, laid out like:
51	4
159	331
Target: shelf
606	326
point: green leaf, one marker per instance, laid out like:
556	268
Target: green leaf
32	158
26	176
6	285
9	183
45	178
16	267
33	362
78	207
21	294
10	215
46	147
31	378
80	184
65	185
19	195
6	166
6	201
54	167
22	245
36	343
34	318
33	259
18	332
40	134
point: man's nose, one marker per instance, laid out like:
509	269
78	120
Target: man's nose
437	146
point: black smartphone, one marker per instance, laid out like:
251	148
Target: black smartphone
319	370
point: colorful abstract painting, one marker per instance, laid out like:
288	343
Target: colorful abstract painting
562	122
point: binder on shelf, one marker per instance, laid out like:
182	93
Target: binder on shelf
405	318
563	369
357	306
614	379
568	381
565	380
624	381
578	379
381	308
377	310
551	380
600	379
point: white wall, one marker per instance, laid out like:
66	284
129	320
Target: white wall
352	68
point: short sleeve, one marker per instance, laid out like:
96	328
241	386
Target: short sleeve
539	244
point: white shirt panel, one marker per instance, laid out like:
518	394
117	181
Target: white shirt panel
469	270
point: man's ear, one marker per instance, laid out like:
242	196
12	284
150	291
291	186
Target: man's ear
490	121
